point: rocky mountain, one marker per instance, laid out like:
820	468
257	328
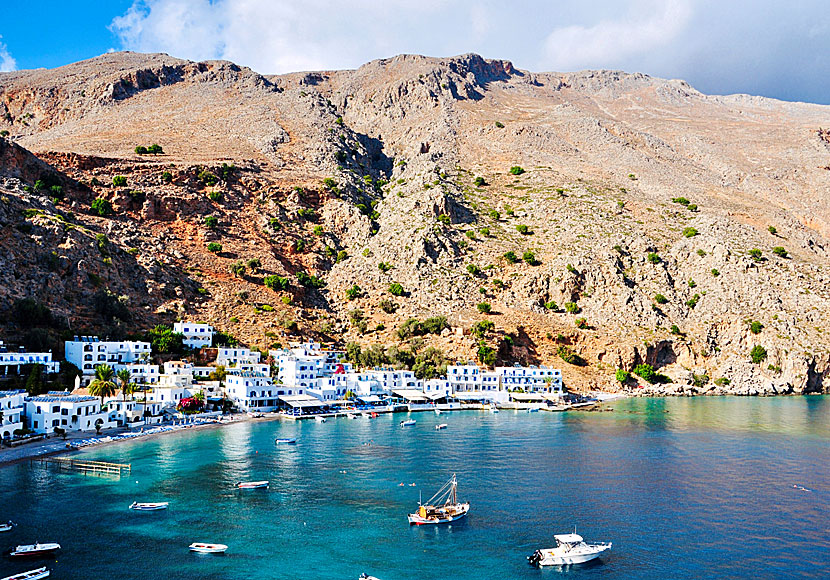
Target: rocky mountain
594	221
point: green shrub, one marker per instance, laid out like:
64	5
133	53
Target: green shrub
772	230
571	307
523	229
551	305
207	178
354	292
329	183
214	247
254	264
309	281
700	380
632	177
444	219
516	170
101	207
211	222
275	224
141	150
692	302
715	272
571	269
237	269
498	283
387	306
654	258
275	282
396	289
675	329
307	214
482	327
660	299
117	181
755	254
511	257
581	323
755	327
384	266
758	354
341	255
494	214
648	374
318	230
499	124
623	376
701	253
56	191
216	196
286	300
166	177
722	382
529	258
780	252
435	324
569	356
473	269
484	231
681	200
299	245
155	149
692	207
486	355
689	232
484	307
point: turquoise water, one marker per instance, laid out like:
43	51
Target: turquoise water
684	488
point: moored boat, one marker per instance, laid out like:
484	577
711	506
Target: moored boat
441	508
285	440
441	426
30	575
33	550
204	548
407	423
149	506
320	419
351	415
252	484
7	527
438	411
570	549
365	576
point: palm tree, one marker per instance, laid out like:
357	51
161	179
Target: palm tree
103	384
127	388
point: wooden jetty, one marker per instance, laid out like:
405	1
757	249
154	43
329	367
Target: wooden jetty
84	466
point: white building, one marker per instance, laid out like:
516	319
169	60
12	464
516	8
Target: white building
310	367
69	412
87	352
140	373
14	360
12	406
531	379
471	382
196	334
437	387
253	391
229	356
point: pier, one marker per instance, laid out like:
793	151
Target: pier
84	466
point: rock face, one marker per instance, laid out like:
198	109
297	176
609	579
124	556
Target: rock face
616	216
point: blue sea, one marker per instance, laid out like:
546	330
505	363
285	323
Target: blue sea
684	488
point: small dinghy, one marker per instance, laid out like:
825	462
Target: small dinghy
7	527
203	548
149	506
252	484
437	411
570	549
33	550
30	575
320	419
533	410
285	440
441	426
408	423
365	576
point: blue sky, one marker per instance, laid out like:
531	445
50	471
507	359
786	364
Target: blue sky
766	47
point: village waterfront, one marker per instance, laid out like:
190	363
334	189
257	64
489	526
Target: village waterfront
683	487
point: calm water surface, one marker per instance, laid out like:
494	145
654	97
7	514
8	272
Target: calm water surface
684	488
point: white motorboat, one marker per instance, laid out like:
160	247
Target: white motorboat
149	506
533	409
285	440
493	408
441	426
204	548
33	550
438	411
30	575
407	423
7	527
570	549
320	419
365	576
252	484
351	415
442	508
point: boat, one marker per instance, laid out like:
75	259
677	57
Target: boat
533	409
441	426
255	414
365	576
7	527
441	508
33	550
351	415
149	506
493	408
285	440
438	411
320	419
570	549
408	423
30	575
252	484
203	548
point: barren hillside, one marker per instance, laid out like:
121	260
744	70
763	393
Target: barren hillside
642	214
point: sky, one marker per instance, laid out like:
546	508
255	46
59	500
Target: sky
763	47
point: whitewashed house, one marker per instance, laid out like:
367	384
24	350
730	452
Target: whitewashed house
69	412
470	382
12	406
230	356
140	373
196	334
12	361
87	352
252	391
531	379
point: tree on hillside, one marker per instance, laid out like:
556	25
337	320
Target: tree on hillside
103	384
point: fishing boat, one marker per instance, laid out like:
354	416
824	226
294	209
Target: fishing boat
33	550
408	423
7	527
320	419
149	506
252	484
30	575
570	549
203	548
285	440
442	508
441	426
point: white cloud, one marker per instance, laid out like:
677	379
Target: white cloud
647	27
7	63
